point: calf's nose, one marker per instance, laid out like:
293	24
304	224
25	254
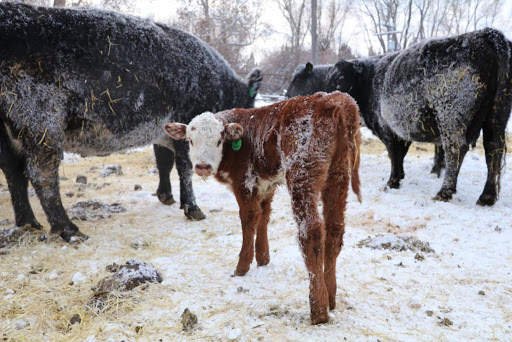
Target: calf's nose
203	169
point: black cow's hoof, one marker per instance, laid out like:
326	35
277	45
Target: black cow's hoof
166	198
436	170
79	237
195	214
444	196
486	200
73	236
31	222
393	183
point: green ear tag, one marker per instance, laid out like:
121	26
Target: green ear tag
252	93
236	144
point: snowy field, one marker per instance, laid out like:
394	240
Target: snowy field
460	291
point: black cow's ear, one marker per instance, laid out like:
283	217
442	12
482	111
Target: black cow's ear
309	66
233	131
175	130
254	80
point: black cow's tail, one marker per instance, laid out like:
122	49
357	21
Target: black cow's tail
495	124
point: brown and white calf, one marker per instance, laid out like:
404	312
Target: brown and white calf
313	143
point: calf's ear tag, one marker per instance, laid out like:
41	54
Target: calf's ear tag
252	93
236	144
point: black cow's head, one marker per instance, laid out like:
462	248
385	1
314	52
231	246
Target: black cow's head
307	80
345	76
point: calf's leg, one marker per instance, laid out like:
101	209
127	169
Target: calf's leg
164	163
311	241
334	198
42	170
184	167
250	215
262	249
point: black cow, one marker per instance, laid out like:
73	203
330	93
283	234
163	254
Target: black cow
94	82
442	91
308	79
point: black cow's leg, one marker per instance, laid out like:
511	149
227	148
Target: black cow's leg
495	148
397	149
18	187
439	162
42	170
13	166
164	162
454	155
184	167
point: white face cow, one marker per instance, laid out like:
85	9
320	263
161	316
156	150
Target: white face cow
206	135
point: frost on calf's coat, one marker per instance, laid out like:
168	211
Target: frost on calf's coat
312	143
105	88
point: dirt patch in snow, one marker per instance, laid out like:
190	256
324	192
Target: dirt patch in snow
94	210
19	235
188	320
125	278
112	170
396	243
6	222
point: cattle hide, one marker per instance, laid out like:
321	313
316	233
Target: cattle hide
95	82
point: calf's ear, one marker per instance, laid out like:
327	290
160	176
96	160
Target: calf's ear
175	130
233	131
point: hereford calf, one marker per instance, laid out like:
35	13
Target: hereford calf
313	143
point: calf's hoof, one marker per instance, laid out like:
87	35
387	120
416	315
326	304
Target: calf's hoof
194	214
166	198
240	273
486	200
263	260
319	316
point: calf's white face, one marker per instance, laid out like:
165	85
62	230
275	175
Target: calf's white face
206	135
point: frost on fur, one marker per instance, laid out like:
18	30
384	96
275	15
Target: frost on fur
107	87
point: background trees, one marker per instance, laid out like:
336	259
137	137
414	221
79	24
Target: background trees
241	30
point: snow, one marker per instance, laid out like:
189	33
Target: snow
376	297
78	278
382	294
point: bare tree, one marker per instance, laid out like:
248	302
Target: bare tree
389	16
228	26
444	18
332	14
296	14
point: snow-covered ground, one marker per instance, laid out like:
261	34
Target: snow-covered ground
383	294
